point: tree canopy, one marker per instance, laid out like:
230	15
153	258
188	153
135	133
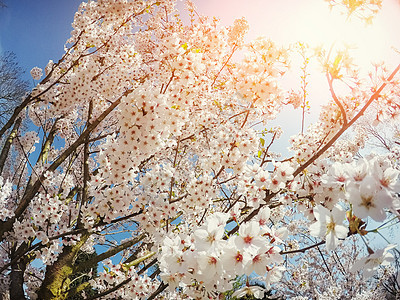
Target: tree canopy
150	170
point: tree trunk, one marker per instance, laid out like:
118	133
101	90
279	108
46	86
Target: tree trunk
56	281
17	281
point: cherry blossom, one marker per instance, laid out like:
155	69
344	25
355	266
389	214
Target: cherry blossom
36	73
255	291
249	238
158	162
369	264
369	200
329	225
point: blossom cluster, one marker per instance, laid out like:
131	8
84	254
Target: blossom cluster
209	261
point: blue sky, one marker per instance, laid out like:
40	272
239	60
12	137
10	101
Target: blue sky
36	30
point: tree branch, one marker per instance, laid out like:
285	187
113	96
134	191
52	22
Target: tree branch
302	250
7	145
33	189
95	260
374	96
335	98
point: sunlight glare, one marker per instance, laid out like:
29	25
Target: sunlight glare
319	26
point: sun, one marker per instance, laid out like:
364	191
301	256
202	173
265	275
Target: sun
317	25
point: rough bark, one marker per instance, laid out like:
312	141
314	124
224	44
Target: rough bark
56	281
17	281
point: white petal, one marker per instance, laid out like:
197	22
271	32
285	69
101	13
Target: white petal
331	241
341	231
318	229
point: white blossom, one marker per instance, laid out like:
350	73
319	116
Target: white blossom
329	225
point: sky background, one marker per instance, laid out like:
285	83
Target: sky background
36	30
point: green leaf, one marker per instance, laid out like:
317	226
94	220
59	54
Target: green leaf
337	60
262	141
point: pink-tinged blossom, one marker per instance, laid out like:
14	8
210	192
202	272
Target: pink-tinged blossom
369	200
258	264
337	175
358	170
274	275
36	73
307	210
329	225
273	254
262	179
171	245
178	262
41	235
277	235
284	171
249	237
172	280
235	261
209	266
263	216
211	233
371	263
388	178
218	219
276	184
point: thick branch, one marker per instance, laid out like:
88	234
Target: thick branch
86	175
16	287
7	145
95	260
335	98
14	116
47	144
17	281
